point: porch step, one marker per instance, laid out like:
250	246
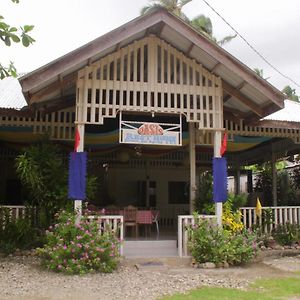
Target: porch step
163	248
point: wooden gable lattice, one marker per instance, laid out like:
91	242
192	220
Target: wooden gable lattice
149	76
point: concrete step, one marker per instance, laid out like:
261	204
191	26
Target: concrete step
166	248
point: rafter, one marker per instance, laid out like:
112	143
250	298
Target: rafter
65	82
242	98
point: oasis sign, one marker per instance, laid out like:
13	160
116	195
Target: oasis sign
148	133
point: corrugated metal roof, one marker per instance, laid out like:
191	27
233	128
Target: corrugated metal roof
11	95
290	112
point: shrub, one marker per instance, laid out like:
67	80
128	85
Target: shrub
208	243
79	248
287	234
231	218
17	233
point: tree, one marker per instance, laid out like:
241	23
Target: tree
10	34
204	25
174	6
260	73
201	23
290	93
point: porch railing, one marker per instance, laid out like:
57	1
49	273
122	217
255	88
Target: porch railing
183	223
111	223
15	211
271	217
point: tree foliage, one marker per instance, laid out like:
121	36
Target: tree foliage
290	93
9	35
201	23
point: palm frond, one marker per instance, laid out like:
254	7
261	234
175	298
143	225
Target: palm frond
226	40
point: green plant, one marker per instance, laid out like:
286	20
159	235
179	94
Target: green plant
231	218
203	203
287	234
43	171
17	233
79	248
208	243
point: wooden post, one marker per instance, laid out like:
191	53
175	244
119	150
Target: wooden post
217	153
78	203
192	166
237	181
274	178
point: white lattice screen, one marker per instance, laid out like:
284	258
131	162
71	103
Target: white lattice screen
149	76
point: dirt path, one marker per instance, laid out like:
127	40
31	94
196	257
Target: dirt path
21	278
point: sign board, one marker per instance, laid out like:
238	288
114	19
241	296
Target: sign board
150	133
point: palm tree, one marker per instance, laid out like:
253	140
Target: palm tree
201	23
204	25
290	93
260	73
174	6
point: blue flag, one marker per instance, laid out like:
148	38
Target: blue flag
219	179
77	175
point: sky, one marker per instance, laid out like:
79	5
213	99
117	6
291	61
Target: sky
271	27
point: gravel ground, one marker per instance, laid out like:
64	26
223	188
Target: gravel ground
22	278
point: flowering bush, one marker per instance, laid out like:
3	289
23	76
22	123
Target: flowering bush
79	248
208	243
231	218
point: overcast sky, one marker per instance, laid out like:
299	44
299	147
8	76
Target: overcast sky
272	27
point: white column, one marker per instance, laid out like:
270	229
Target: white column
217	149
192	166
78	203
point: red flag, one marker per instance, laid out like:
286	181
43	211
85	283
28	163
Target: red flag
77	139
224	144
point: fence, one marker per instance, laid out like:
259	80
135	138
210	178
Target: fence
183	223
113	224
16	211
270	217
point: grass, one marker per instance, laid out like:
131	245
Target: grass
267	289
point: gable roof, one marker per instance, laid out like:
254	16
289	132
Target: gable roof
246	95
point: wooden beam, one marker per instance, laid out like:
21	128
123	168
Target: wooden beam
189	50
242	98
68	81
231	117
226	98
236	112
215	68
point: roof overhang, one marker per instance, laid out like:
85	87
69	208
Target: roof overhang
246	95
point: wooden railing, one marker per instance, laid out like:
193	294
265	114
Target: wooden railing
113	224
271	217
183	223
15	211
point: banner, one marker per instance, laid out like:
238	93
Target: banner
77	175
219	179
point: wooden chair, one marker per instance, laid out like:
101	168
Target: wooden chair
130	219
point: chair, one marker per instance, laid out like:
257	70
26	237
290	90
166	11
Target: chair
130	219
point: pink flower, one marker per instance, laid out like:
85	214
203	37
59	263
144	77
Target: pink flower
78	237
79	245
59	267
65	247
